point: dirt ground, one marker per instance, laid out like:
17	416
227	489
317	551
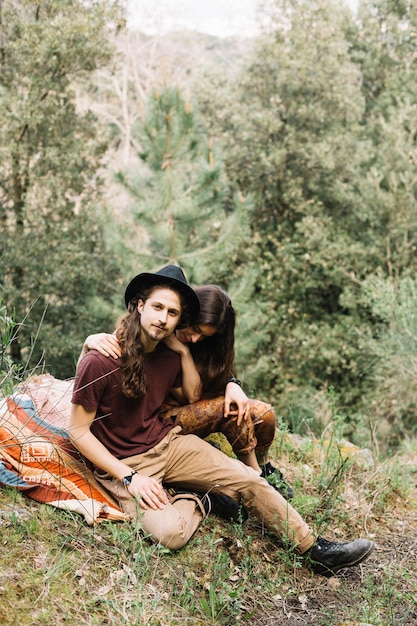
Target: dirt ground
387	581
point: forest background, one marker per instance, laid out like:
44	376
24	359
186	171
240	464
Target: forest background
283	168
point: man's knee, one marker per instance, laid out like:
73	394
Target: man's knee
167	532
173	526
173	542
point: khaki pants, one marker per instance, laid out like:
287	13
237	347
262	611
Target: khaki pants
188	462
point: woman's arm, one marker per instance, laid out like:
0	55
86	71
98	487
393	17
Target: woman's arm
234	394
108	345
104	343
191	381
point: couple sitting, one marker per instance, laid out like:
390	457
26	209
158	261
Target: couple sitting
140	444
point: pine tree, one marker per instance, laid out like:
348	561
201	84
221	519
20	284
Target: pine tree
180	194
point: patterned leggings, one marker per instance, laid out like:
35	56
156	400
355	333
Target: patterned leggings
206	417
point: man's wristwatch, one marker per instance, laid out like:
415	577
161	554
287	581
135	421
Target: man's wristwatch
126	480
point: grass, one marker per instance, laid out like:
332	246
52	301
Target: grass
57	570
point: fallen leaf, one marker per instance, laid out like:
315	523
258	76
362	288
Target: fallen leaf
334	583
277	599
303	600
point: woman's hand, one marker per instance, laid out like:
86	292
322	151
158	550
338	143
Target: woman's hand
191	381
235	395
174	344
104	343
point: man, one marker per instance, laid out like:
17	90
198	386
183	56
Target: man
115	423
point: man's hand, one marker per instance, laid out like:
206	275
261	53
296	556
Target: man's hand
148	492
235	395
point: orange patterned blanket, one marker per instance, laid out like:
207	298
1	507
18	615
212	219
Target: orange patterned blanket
37	457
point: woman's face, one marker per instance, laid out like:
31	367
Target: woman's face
195	333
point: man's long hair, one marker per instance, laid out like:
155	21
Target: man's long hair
133	357
215	356
128	333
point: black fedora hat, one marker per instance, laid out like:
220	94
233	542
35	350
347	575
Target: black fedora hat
170	276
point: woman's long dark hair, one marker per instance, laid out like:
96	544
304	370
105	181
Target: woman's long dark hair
215	355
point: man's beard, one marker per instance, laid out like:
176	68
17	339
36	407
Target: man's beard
157	334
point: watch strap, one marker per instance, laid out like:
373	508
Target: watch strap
126	480
232	379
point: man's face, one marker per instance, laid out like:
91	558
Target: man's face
159	315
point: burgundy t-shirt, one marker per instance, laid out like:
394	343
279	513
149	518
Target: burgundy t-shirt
127	426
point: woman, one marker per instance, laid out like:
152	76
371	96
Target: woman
249	425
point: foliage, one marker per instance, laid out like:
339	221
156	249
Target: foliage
179	192
52	259
297	154
328	151
9	373
394	351
290	182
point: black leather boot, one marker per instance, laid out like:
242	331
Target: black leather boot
216	503
328	557
227	508
275	478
